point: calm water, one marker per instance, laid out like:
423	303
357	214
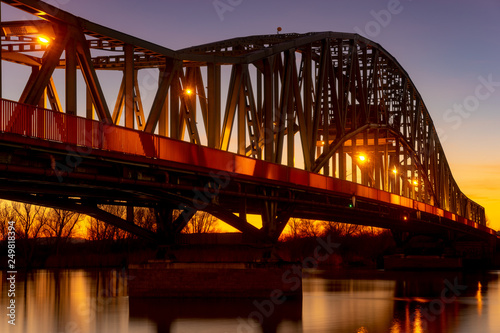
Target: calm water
79	301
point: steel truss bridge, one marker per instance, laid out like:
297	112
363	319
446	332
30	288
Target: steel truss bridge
319	125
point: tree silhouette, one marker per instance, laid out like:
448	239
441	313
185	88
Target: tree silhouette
30	223
340	229
301	228
61	225
5	217
202	223
98	230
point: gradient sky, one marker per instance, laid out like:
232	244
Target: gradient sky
449	49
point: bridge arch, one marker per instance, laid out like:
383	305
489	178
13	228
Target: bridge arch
339	94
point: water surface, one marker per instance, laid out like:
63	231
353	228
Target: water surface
80	301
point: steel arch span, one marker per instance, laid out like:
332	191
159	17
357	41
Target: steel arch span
333	104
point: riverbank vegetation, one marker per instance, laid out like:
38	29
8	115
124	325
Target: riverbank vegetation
50	238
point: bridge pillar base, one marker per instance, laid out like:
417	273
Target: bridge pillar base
421	262
163	278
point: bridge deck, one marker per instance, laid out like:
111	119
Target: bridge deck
37	128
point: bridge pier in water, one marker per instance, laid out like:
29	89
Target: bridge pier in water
216	265
448	250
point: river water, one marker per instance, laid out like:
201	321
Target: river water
80	301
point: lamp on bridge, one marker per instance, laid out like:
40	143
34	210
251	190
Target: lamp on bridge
189	92
44	39
395	172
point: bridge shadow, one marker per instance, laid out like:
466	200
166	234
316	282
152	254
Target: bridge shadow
216	315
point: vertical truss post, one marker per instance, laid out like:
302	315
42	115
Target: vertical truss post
71	92
269	213
268	110
242	122
163	121
377	161
129	85
214	105
290	116
342	163
175	91
164	219
366	172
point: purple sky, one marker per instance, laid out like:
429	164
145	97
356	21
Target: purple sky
449	49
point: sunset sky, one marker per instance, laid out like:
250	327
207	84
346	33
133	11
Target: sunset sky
449	48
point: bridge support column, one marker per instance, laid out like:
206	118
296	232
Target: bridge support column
274	281
400	237
166	227
274	218
164	218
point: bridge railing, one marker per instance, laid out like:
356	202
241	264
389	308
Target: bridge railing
40	123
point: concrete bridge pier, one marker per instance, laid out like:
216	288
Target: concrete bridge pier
449	250
216	265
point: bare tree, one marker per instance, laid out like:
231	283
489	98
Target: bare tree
30	223
202	223
292	229
98	230
30	219
5	217
309	228
101	230
61	225
145	218
302	228
340	229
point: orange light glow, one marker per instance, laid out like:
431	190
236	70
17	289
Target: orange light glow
362	158
479	298
394	171
43	40
189	91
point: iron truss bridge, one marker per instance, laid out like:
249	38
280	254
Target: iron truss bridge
322	125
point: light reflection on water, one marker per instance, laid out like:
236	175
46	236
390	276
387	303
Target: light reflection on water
79	301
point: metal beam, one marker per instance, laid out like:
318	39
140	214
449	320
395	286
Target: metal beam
70	72
35	87
90	76
128	75
167	75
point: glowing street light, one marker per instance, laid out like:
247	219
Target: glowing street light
43	40
395	172
362	158
189	92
